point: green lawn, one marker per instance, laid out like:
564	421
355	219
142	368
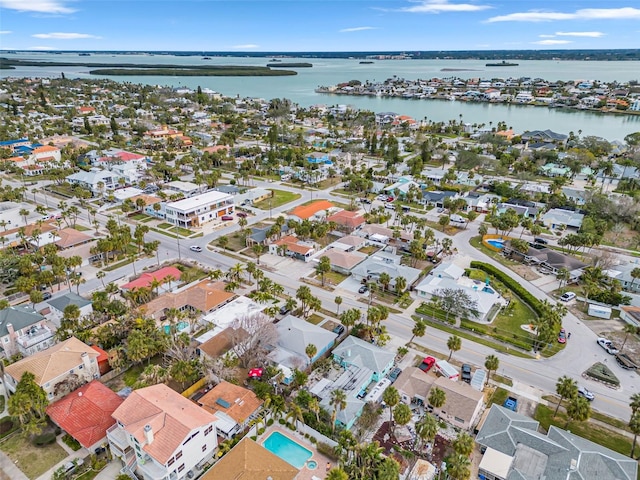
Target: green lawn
280	197
315	318
236	242
332	278
499	396
31	460
603	436
181	231
81	228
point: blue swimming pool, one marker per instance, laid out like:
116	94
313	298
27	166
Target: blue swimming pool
288	450
179	327
496	243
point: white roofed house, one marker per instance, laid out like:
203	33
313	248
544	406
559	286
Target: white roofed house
381	262
96	180
196	211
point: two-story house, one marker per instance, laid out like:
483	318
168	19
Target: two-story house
198	210
23	330
58	370
161	435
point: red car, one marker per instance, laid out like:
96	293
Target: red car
390	199
562	336
256	373
241	214
427	363
227	218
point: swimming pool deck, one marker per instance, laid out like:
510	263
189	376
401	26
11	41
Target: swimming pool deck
305	473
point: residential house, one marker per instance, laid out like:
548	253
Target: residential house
447	275
217	345
350	243
550	259
95	180
347	221
294	335
10	215
188	189
230	313
363	364
382	235
199	210
544	136
251	460
413	385
559	218
159	434
58	304
622	273
199	297
230	189
292	247
70	237
382	262
555	170
463	403
481	202
261	235
234	407
314	211
145	280
436	197
402	186
630	315
85	414
253	196
319	158
575	195
514	449
23	330
342	261
60	369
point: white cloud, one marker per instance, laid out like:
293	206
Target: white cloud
5	32
625	13
63	36
245	46
37	6
440	6
581	34
547	36
552	42
357	29
39	47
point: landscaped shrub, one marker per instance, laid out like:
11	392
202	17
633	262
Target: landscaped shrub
260	431
313	440
71	442
281	421
326	450
44	439
599	371
254	437
269	422
291	426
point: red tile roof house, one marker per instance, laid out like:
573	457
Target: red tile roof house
292	247
313	211
85	414
146	279
347	221
160	435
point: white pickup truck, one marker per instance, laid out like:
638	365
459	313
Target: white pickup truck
607	345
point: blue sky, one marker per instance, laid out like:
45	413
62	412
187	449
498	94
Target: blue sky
318	25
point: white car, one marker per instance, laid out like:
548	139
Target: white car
583	392
607	345
567	297
195	248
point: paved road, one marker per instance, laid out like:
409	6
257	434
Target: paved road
579	354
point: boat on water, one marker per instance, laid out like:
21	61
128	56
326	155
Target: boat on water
84	54
275	60
206	58
502	64
365	63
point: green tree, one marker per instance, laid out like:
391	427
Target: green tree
338	402
418	330
258	249
336	473
454	343
458	467
28	404
463	444
437	397
443	221
391	397
578	409
634	426
426	428
338	301
311	351
223	242
401	414
566	387
491	363
323	267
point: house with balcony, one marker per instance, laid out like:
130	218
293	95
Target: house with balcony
234	407
59	370
196	211
23	330
161	435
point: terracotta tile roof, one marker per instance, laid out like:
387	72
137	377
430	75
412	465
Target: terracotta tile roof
145	280
127	156
305	212
248	460
70	237
347	219
352	240
216	148
45	148
242	402
85	413
203	296
292	244
52	362
148	199
170	415
103	356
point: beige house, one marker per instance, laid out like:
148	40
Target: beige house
58	370
413	385
463	403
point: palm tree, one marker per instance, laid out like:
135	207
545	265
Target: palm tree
634	426
563	276
400	285
635	274
401	414
258	249
635	403
337	473
419	329
426	428
578	409
437	397
491	363
391	397
339	402
314	407
463	444
100	275
295	414
458	467
223	242
567	388
338	302
311	351
454	343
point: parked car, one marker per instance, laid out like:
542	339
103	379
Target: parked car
339	329
227	218
363	289
195	248
390	199
562	336
390	206
46	295
567	297
365	200
466	372
284	310
241	215
394	374
607	345
583	392
541	241
427	363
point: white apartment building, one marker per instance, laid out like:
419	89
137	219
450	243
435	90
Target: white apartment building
196	211
161	435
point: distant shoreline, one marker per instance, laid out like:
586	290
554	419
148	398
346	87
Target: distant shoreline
230	71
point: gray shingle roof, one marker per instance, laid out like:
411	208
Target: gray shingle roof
19	317
362	354
59	303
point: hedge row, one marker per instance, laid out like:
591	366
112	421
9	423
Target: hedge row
511	284
484	330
